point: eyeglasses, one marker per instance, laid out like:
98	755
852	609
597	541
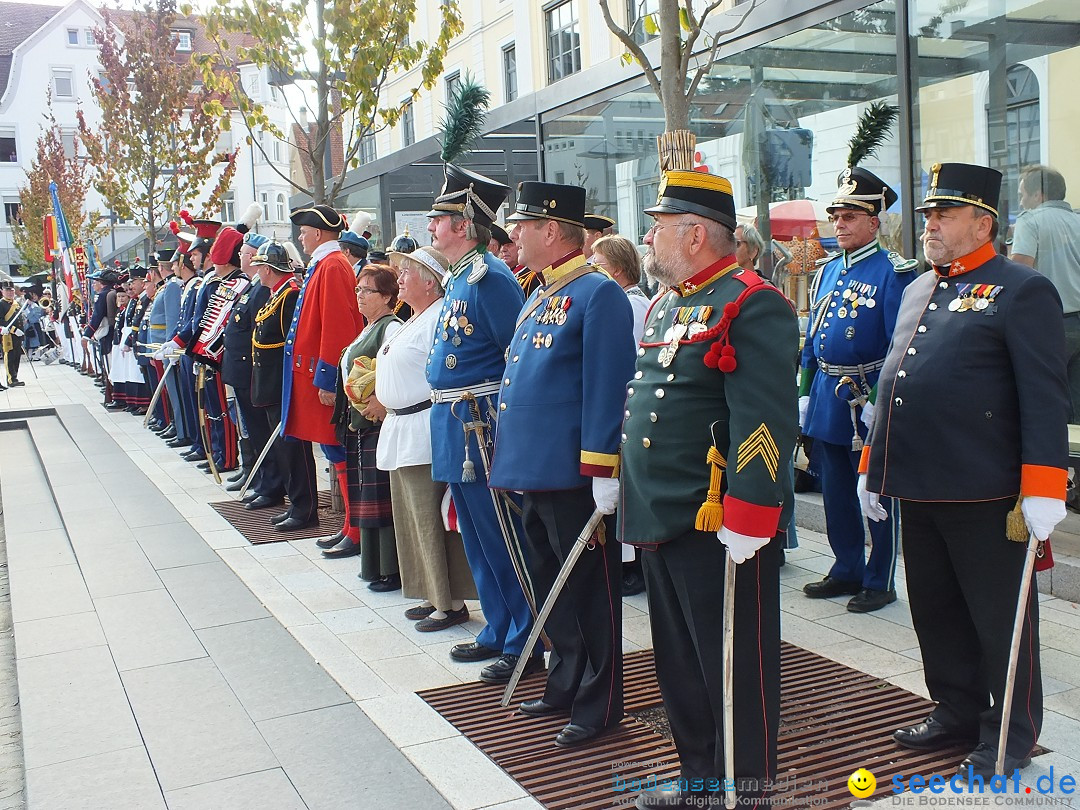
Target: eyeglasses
365	290
847	216
659	226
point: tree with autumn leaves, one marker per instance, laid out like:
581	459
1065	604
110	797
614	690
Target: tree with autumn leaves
155	150
338	54
51	164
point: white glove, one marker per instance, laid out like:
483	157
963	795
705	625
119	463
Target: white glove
1042	514
3	330
18	332
741	547
605	492
804	406
870	502
160	353
867	415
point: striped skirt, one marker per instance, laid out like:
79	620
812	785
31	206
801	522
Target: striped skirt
369	487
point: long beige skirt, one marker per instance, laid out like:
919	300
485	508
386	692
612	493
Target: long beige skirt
431	560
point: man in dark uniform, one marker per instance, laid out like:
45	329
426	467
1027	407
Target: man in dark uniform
851	323
560	414
294	457
973	412
596	225
12	324
355	247
100	326
139	392
714	387
267	488
476	324
527	277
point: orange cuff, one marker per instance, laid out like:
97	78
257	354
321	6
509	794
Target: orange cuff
864	460
1046	482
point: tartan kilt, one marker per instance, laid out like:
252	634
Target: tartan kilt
369	487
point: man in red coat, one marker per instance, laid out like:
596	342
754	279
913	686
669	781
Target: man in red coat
326	320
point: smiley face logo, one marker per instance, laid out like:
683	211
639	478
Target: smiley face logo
861	783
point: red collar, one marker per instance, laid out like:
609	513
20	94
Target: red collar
704	278
977	258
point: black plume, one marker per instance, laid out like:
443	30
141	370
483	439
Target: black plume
873	129
464	121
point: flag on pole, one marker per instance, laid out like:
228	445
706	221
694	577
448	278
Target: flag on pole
63	233
52	237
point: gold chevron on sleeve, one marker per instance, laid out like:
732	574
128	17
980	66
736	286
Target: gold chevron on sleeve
759	443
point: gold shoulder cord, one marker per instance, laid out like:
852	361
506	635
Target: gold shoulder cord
271	306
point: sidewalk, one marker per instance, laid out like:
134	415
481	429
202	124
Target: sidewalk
219	651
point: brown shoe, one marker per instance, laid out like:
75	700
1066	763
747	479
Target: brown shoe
415	614
453	617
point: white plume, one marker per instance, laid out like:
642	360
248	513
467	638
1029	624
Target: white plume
361	222
294	254
251	215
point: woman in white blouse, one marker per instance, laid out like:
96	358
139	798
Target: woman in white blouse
431	559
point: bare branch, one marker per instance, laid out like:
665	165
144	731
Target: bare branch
635	49
718	37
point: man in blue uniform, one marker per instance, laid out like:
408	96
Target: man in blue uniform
851	322
475	326
974	411
560	418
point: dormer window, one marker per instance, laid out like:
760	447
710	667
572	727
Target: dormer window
183	41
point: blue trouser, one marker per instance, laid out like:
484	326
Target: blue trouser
172	389
846	526
222	430
505	607
185	382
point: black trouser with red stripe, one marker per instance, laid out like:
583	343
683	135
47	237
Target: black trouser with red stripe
222	429
585	627
963	580
684	579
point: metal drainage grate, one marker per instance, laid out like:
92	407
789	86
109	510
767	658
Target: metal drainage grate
256	526
833	721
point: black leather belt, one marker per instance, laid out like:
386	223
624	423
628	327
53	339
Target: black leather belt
419	406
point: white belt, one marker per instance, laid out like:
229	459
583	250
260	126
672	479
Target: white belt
484	389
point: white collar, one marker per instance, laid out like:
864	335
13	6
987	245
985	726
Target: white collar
324	250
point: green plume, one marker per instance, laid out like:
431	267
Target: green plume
873	129
464	119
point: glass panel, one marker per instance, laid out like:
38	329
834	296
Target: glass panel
994	83
776	120
364	198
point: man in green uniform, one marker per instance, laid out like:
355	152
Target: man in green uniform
714	389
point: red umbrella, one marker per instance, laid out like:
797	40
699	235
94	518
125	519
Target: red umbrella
797	218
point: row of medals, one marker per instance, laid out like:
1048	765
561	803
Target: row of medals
971	296
855	296
689	322
457	322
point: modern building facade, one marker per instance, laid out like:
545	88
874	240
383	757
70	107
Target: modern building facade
983	81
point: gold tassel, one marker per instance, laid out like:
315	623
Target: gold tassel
1015	527
710	516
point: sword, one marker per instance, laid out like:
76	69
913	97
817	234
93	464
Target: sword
859	398
1014	650
204	429
728	659
506	525
258	462
584	541
157	394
